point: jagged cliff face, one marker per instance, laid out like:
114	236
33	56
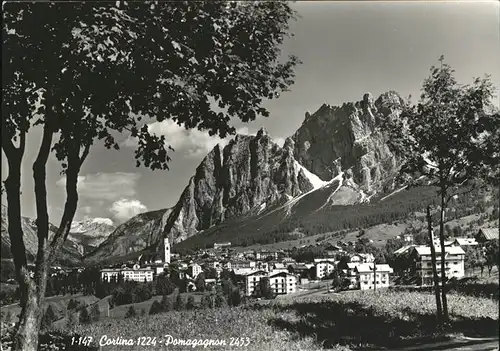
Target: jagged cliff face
249	174
348	139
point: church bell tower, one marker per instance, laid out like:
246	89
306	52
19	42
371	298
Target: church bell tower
166	250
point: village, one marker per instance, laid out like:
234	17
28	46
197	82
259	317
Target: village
341	269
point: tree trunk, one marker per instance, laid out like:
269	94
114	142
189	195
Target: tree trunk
26	337
434	268
13	192
443	260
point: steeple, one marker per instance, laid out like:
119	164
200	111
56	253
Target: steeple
166	250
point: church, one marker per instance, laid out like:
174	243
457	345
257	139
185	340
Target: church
148	265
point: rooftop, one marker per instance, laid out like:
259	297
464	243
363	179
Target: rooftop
489	233
368	267
452	250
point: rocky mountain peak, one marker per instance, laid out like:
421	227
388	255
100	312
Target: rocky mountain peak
348	139
289	145
262	132
252	172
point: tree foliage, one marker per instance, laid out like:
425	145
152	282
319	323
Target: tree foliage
450	139
86	73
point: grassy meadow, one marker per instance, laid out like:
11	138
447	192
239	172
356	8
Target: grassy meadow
337	321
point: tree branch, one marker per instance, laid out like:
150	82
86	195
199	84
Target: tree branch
71	201
84	154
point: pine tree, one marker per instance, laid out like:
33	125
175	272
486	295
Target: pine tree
48	318
179	303
95	312
84	316
155	308
131	312
166	304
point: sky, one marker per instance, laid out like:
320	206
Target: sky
347	49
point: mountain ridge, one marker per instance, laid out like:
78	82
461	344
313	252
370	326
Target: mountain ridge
337	157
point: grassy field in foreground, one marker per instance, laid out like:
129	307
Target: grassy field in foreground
381	318
59	304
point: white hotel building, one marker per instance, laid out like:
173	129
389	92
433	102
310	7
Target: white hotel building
129	274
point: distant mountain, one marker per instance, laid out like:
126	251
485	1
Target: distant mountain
91	232
83	237
140	232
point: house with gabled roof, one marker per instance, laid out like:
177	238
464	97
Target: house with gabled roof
371	276
454	263
487	234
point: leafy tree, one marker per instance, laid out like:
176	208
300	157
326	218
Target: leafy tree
169	61
450	139
131	312
95	312
164	285
200	282
49	317
210	273
84	316
219	299
264	289
234	299
491	255
155	308
179	303
143	311
337	283
190	303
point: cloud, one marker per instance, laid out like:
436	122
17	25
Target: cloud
125	209
105	186
193	142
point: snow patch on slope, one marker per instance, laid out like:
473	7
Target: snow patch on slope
394	192
313	178
340	178
86	225
262	207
